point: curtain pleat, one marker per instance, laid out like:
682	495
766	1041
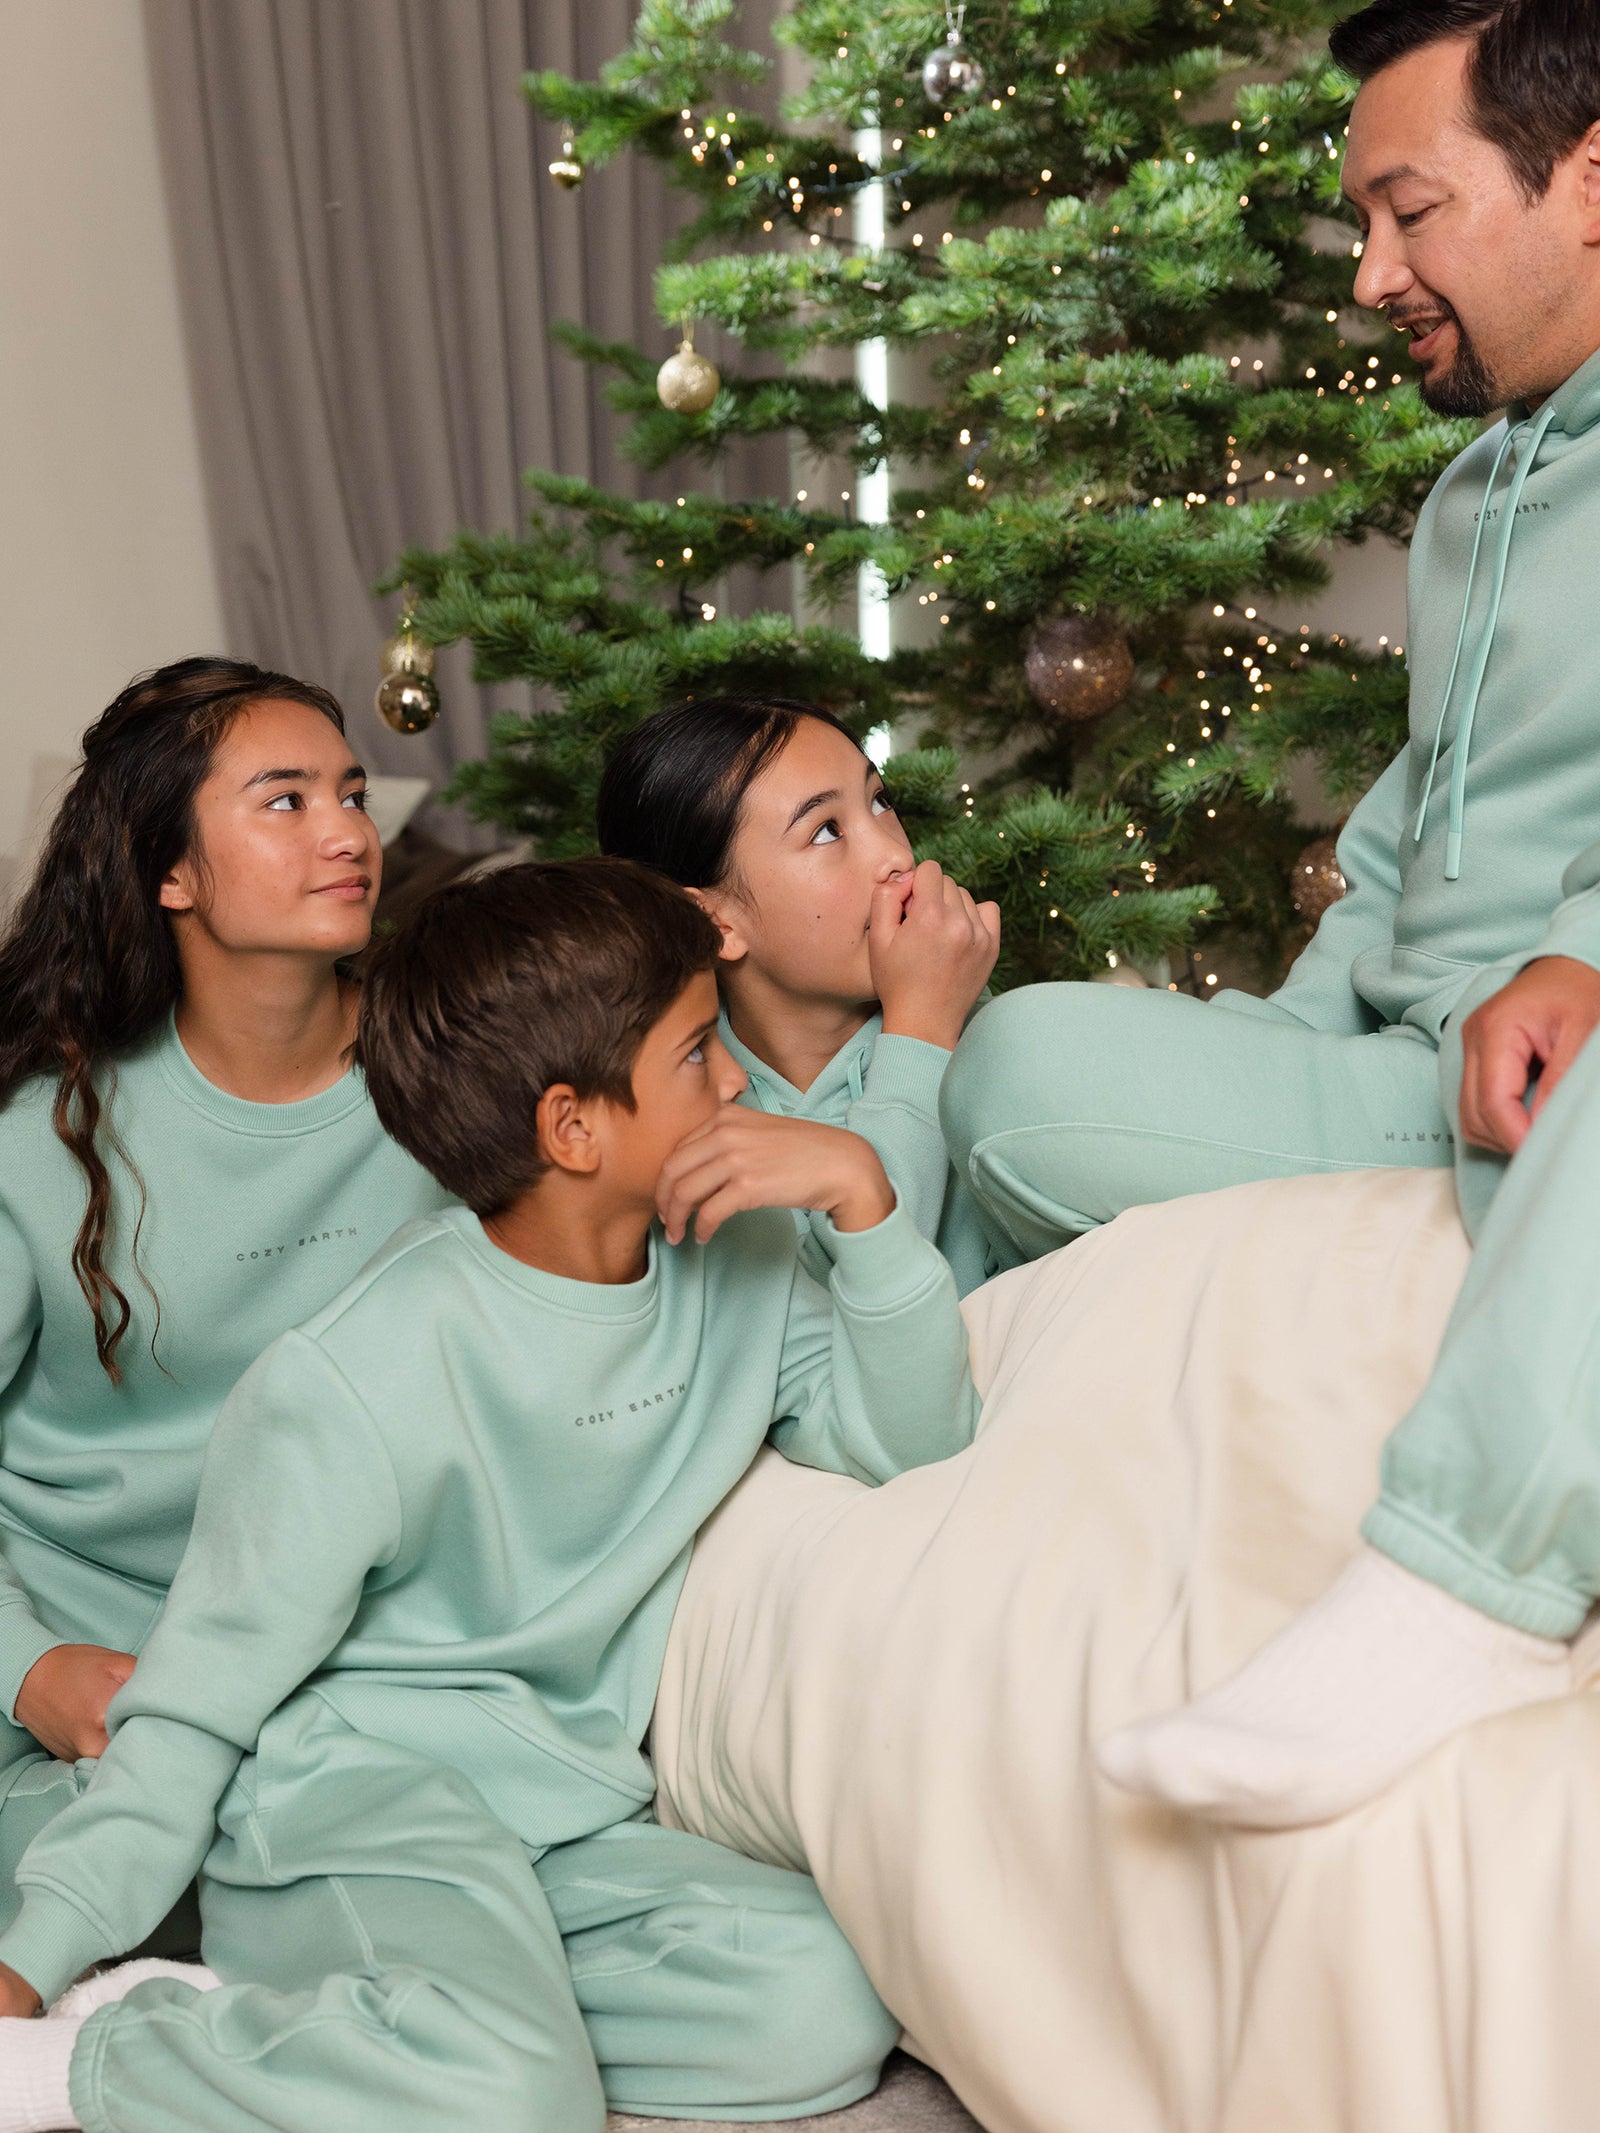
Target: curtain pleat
371	255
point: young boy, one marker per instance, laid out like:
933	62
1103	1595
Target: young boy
392	1711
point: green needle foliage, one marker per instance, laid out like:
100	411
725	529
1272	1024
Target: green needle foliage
1120	276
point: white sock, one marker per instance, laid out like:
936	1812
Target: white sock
101	1987
34	2058
1331	1710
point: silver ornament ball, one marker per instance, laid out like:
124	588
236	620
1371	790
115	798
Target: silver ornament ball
950	71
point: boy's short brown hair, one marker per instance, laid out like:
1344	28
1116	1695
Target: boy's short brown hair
500	987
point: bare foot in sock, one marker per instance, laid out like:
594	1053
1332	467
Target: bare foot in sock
35	2056
1331	1710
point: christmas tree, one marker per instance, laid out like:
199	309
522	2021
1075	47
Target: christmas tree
1109	275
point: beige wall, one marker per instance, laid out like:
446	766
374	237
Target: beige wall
105	557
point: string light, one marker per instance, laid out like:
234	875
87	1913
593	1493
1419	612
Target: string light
1300	471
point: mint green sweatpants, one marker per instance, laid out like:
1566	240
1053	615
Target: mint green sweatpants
1066	1103
1491	1484
393	1957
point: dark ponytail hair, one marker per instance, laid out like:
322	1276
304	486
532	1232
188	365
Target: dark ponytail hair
673	789
88	964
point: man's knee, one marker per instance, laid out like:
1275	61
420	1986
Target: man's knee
1037	1055
999	1043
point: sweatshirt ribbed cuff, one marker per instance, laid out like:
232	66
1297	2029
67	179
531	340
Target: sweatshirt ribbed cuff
880	1268
24	1640
906	1070
50	1943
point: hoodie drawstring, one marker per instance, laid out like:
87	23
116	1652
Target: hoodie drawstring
1480	660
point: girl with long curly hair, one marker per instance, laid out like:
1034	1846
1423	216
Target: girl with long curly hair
189	1164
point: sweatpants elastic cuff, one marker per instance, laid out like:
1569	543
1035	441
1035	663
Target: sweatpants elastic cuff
1434	1553
84	2076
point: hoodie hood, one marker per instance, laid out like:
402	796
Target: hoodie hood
839	1085
1571	410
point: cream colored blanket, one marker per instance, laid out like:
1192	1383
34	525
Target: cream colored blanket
897	1687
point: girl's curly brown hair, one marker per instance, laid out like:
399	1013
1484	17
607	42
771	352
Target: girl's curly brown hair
88	965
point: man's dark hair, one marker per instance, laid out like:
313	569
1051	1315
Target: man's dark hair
1533	81
500	987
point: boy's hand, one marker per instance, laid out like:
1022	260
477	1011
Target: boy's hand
1539	1022
744	1159
63	1698
931	952
17	1996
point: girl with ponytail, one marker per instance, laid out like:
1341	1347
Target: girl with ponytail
189	1165
847	970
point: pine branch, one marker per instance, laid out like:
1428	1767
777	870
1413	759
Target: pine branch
1142	400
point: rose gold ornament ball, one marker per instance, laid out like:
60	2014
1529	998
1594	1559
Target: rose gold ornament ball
1315	881
1078	666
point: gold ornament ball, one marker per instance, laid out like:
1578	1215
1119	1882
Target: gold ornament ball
409	702
406	654
567	172
687	382
1078	666
950	71
1315	881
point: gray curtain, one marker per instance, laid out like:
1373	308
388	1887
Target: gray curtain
370	254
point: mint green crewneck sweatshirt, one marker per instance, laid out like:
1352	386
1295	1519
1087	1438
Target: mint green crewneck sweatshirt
1476	850
254	1215
887	1090
461	1501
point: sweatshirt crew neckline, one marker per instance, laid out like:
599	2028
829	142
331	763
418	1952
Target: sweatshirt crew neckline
240	1113
580	1299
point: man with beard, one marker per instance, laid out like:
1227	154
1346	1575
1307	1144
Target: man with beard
1438	1010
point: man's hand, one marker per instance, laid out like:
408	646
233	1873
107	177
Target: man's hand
63	1698
17	1996
1540	1021
931	953
745	1159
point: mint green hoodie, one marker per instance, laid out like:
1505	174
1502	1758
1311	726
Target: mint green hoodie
462	1498
253	1216
887	1090
1478	845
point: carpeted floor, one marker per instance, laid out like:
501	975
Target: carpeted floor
910	2099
